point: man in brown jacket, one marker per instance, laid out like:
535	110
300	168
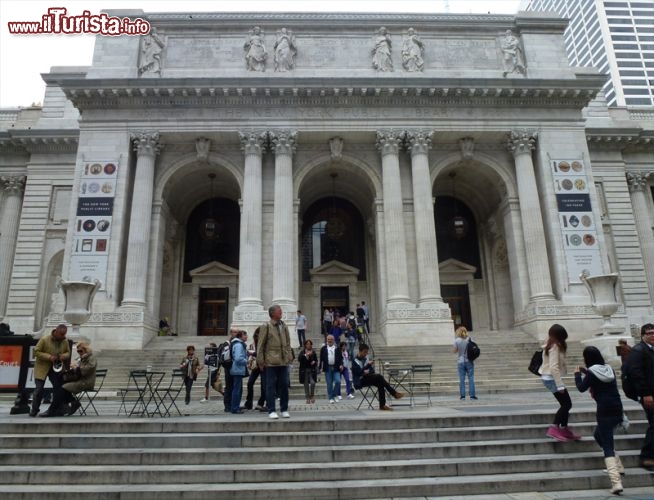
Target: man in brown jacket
50	349
273	355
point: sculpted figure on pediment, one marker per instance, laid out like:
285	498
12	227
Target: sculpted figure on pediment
255	50
381	52
514	61
285	50
412	50
152	46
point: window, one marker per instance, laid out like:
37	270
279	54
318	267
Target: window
625	46
631	72
634	82
638	101
623	38
634	91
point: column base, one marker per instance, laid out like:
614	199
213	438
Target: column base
405	324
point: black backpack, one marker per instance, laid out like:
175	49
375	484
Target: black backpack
627	377
225	353
472	350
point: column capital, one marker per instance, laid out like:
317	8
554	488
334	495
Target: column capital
419	141
253	142
637	181
389	141
13	184
521	141
283	142
146	143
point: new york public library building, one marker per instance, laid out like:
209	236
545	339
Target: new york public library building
443	168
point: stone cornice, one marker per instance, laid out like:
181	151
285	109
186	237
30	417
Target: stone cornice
40	141
257	90
620	139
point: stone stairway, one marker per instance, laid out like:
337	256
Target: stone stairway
501	367
453	451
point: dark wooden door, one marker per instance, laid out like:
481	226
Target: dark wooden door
212	316
337	297
458	298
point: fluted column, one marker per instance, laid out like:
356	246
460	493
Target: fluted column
638	189
521	144
13	188
249	273
283	144
388	143
423	211
146	145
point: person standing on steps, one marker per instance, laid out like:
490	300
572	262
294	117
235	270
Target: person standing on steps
50	349
551	372
226	366
331	364
600	379
300	328
238	369
308	371
463	365
190	366
273	356
641	370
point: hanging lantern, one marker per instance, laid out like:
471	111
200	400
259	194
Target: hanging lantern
458	227
210	227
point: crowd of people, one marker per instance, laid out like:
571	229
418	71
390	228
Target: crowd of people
270	357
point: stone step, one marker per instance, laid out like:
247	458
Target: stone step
300	471
354	489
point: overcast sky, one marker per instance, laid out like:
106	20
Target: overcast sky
24	57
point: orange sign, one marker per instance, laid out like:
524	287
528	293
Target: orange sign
10	359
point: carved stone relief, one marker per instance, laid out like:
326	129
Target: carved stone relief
152	46
412	51
255	50
381	52
513	58
285	50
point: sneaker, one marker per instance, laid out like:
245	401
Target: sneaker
204	400
331	401
286	414
555	432
462	398
350	396
273	415
339	398
473	397
570	434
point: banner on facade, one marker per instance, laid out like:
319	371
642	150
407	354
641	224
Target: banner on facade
11	357
576	219
93	221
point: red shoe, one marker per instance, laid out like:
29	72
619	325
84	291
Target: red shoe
557	433
569	433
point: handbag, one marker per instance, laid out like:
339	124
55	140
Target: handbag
536	362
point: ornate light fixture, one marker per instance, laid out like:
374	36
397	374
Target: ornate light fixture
210	227
458	224
335	228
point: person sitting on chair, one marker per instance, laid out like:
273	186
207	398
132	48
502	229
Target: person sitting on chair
80	378
363	370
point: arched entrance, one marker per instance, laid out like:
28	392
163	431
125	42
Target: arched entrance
337	255
471	216
199	249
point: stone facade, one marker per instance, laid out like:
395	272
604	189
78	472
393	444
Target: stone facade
290	111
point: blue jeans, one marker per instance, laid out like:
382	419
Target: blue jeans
467	367
333	379
237	392
348	384
277	385
604	434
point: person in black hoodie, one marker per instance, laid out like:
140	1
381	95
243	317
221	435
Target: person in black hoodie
600	379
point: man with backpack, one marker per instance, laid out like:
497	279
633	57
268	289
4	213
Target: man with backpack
641	374
225	357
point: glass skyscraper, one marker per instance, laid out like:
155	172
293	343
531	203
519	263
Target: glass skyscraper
617	37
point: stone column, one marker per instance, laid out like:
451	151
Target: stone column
388	143
283	144
423	210
13	188
638	190
249	272
146	145
521	144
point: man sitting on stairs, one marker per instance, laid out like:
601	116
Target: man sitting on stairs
363	373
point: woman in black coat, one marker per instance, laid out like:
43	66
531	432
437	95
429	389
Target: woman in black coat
600	379
308	371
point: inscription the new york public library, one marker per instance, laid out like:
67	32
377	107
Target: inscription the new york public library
335	113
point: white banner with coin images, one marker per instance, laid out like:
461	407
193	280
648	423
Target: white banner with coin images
576	219
93	221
